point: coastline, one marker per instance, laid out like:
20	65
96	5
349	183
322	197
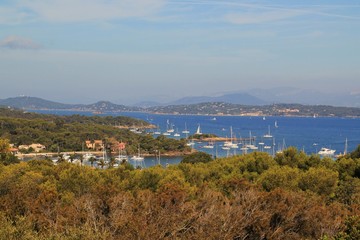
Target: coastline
96	153
193	114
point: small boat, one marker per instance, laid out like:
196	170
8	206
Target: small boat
191	143
251	144
169	127
326	152
210	145
176	134
281	148
186	131
268	135
213	119
345	150
198	130
157	132
138	157
276	125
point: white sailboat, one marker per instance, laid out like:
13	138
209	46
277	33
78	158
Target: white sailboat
138	158
169	128
198	130
276	125
177	134
281	148
157	132
191	143
122	156
345	149
210	145
268	135
230	143
251	145
186	131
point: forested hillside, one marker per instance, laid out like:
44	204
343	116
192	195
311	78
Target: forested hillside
255	196
68	133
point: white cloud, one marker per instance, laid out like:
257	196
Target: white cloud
15	42
90	10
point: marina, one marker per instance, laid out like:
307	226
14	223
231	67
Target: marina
239	135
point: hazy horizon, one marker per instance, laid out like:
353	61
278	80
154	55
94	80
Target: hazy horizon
128	51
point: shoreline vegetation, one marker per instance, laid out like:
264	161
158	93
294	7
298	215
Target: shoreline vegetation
253	196
96	153
70	133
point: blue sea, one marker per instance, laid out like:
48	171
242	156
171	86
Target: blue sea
305	133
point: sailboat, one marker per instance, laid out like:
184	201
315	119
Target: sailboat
190	143
198	130
345	150
268	135
210	145
281	148
251	145
276	125
185	130
157	132
230	143
170	127
177	134
138	157
122	156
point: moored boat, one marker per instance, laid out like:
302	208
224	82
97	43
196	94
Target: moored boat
326	152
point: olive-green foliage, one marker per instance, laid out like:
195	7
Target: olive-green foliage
6	157
68	133
249	197
197	157
356	153
352	229
319	180
280	177
349	167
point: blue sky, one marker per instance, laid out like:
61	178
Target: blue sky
82	51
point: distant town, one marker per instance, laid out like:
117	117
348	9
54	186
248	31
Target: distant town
206	108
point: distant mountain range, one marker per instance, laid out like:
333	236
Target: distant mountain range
258	97
34	103
307	96
234	98
210	107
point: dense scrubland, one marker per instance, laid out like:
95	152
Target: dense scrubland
254	196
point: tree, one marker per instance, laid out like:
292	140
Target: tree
352	229
197	158
4	146
280	177
92	160
356	153
6	157
319	180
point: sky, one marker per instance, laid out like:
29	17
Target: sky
126	51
